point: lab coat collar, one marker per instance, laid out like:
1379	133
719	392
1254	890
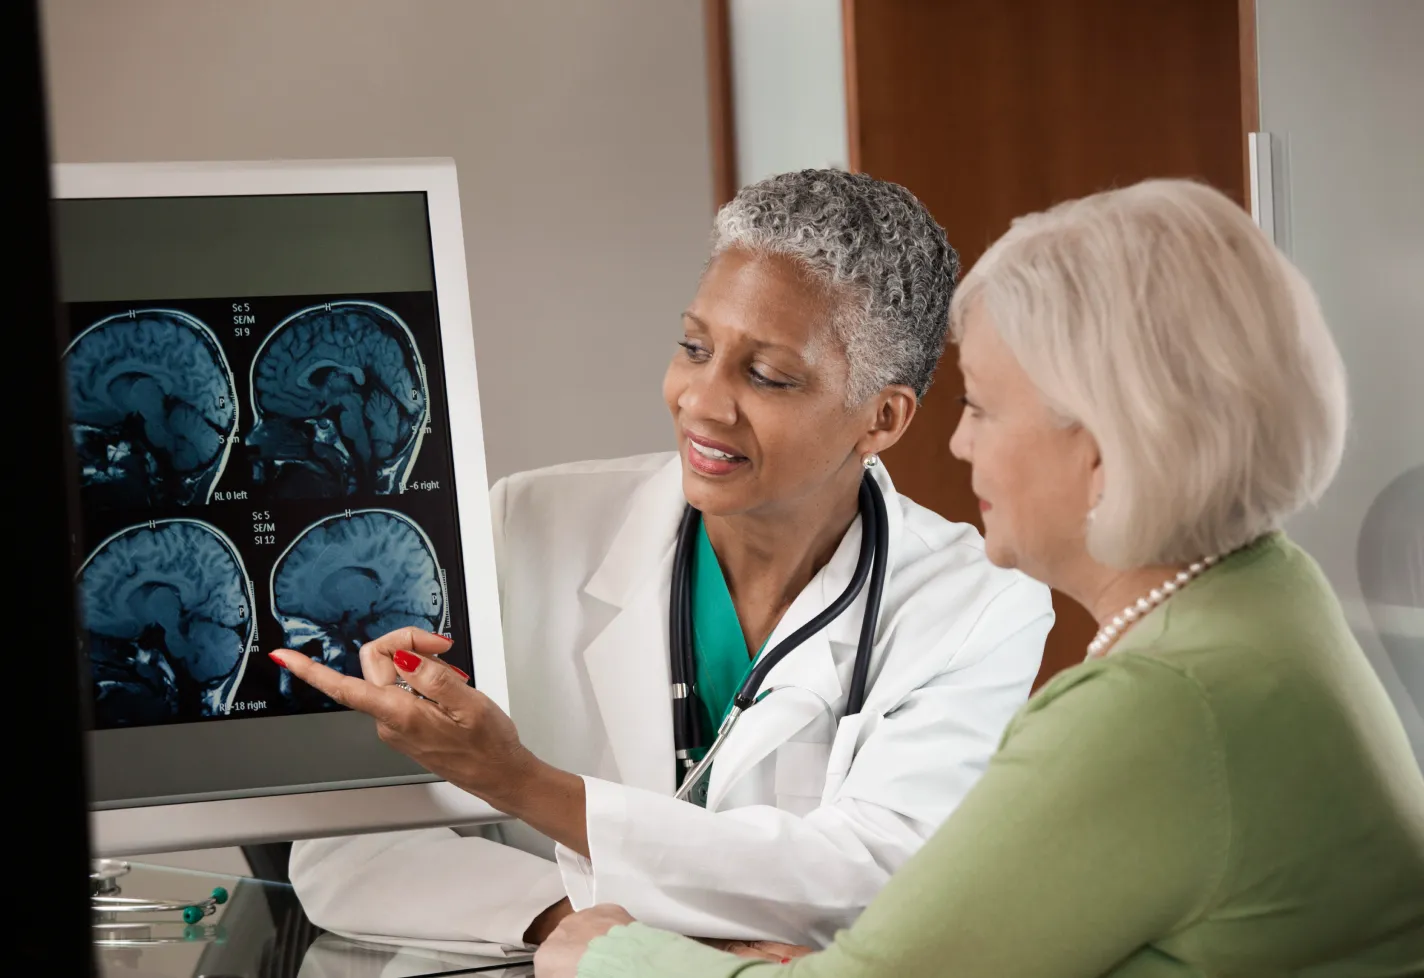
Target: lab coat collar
820	668
627	661
646	537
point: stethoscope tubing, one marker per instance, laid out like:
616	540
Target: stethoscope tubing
860	675
700	770
870	566
869	537
687	726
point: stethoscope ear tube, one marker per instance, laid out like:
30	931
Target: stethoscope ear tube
686	725
872	517
870	566
861	673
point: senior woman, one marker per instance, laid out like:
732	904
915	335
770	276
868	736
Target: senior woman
813	334
1222	787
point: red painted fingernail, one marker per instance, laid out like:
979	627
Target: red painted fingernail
785	960
460	672
405	661
446	639
273	657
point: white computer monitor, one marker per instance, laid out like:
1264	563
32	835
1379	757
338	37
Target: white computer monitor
277	442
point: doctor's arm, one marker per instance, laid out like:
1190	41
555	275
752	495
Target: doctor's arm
434	886
456	731
761	872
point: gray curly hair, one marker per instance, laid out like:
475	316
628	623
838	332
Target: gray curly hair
876	247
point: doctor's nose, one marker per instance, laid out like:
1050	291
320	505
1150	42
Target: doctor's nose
708	396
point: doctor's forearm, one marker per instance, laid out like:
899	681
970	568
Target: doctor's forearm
547	799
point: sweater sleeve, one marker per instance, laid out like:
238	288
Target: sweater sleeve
638	950
1101	825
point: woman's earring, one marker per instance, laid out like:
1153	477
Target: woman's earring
871	461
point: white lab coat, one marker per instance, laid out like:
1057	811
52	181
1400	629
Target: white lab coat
807	814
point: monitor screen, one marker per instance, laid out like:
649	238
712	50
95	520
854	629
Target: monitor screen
262	438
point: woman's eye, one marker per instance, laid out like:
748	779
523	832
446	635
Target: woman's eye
761	380
694	351
969	405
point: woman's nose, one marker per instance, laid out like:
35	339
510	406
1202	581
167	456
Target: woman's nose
959	442
708	395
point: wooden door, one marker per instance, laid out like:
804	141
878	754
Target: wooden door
988	109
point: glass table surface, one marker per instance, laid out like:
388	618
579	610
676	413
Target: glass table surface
259	932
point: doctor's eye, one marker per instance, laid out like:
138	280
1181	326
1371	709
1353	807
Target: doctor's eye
696	352
761	380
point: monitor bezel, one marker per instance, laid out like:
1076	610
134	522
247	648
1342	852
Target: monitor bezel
138	829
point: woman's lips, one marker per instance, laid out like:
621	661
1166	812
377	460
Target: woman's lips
711	459
984	506
716	447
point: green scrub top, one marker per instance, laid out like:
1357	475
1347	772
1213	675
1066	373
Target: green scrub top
718	646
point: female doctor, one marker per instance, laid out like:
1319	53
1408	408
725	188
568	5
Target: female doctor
813	334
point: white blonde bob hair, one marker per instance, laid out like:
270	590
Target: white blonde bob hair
1164	322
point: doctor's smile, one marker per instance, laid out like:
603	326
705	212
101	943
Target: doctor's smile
712	458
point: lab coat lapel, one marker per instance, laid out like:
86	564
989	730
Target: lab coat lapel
627	661
818	671
809	673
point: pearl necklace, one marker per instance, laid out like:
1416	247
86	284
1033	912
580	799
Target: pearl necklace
1110	632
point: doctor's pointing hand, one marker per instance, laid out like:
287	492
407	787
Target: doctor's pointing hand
750	677
451	729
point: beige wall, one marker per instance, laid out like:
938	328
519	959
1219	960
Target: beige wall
579	130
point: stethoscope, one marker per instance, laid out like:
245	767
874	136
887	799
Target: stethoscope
687	732
108	906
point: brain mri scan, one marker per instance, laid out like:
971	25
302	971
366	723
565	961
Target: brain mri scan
340	401
168	619
349	579
152	410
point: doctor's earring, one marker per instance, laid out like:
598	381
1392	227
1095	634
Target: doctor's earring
871	461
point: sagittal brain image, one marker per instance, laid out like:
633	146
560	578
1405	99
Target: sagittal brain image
168	620
340	401
151	409
349	579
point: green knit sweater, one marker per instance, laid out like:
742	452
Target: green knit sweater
1228	793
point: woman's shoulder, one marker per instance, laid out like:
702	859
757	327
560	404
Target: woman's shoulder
1120	692
1195	684
1259	757
1263	642
1266	611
